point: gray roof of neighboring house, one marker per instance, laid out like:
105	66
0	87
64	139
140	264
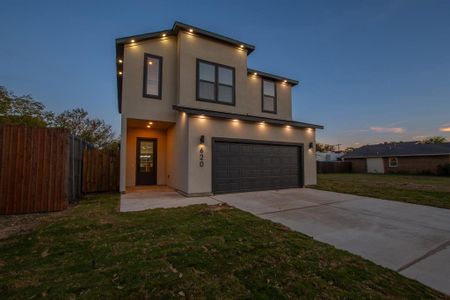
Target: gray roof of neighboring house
400	149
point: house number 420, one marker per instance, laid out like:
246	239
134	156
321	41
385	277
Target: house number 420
202	163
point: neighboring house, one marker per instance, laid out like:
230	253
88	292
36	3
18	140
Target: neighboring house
195	118
329	156
405	157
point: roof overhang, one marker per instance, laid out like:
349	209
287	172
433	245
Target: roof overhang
248	118
395	155
272	76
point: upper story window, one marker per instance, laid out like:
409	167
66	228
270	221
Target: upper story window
215	82
269	96
152	76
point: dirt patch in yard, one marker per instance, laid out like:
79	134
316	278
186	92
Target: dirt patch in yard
18	224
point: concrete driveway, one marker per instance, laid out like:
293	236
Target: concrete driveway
411	239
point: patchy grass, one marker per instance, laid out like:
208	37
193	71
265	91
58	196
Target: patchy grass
92	251
425	190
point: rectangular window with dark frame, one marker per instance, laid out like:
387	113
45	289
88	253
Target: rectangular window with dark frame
215	82
269	96
152	76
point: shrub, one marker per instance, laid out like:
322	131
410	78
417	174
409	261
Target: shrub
443	170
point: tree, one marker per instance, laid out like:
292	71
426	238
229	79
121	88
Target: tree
94	131
434	140
349	149
324	147
22	110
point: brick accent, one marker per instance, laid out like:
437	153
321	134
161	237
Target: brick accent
416	164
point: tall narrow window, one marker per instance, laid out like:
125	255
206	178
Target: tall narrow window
152	76
269	96
215	83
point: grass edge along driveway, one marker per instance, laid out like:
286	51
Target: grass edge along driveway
424	190
93	251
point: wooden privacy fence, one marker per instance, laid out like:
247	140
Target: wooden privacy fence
100	170
33	169
334	167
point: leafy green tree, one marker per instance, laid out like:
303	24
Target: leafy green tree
434	140
22	110
324	147
94	131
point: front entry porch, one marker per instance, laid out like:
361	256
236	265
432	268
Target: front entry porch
145	153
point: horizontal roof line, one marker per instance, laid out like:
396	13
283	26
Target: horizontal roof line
250	118
273	76
177	26
395	155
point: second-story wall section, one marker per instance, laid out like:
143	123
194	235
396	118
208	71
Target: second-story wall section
248	89
135	104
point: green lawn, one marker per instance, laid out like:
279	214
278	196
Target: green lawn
425	190
92	251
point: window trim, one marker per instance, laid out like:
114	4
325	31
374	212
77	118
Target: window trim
216	83
144	86
275	101
391	165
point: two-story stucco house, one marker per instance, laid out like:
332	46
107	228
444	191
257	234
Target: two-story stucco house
197	119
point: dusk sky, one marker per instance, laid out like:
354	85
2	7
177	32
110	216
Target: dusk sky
369	71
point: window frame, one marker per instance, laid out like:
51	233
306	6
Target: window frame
144	86
391	165
216	83
275	101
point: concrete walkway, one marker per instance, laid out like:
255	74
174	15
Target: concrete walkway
411	239
158	197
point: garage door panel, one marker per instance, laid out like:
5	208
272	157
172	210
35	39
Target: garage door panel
242	166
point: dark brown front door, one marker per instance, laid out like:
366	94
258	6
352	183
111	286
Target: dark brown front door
146	161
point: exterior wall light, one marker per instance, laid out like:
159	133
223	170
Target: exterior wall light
311	146
255	74
150	123
191	30
202	139
120	73
132	41
120	61
164	35
148	126
242	46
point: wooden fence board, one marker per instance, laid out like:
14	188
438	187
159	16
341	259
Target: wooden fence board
100	171
32	168
334	167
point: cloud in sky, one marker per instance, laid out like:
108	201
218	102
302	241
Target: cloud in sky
397	130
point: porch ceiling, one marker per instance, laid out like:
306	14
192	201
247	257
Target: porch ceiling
143	124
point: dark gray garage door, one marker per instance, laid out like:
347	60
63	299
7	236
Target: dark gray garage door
251	166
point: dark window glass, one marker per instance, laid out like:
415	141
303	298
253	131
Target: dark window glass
152	76
269	96
215	83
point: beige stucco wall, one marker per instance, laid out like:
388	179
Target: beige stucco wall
199	178
248	87
134	105
177	164
132	135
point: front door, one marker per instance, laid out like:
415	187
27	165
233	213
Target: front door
146	161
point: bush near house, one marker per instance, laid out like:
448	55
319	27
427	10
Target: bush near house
444	170
92	251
